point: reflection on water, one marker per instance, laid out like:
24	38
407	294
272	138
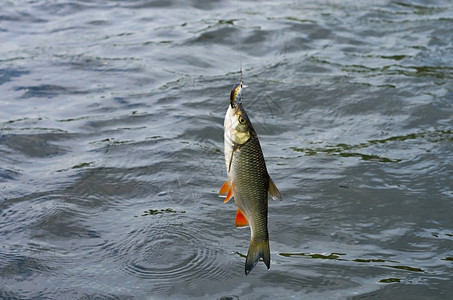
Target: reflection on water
111	148
344	150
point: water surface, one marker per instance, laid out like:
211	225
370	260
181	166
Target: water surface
111	148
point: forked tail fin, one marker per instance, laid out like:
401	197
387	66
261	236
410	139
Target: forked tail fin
257	250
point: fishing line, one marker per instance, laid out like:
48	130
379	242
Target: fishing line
239	42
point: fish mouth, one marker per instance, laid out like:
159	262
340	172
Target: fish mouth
236	94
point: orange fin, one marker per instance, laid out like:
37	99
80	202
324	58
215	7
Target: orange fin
227	188
241	220
229	195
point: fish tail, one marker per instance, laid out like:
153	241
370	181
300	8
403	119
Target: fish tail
257	249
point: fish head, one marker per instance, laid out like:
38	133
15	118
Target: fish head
238	128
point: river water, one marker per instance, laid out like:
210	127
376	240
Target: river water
111	148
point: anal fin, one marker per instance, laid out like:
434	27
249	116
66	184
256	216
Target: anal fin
240	220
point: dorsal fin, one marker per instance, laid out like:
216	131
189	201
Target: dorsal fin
273	191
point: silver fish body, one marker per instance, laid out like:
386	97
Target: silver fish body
248	180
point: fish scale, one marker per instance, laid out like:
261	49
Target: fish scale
252	180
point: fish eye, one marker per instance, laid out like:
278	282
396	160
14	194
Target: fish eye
242	120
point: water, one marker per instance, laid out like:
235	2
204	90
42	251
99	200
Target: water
111	142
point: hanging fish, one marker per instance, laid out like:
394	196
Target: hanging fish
248	181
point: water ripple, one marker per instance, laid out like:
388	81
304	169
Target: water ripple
168	252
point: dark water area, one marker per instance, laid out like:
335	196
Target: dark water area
111	148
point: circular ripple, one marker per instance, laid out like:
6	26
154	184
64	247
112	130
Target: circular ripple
170	252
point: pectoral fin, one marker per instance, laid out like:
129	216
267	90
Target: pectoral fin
227	188
241	220
273	191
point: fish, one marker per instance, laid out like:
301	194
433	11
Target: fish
248	181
